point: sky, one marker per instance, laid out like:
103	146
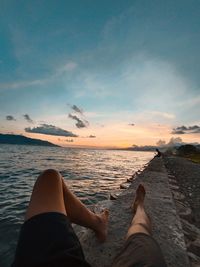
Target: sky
100	73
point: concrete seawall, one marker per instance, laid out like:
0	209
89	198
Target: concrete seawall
159	203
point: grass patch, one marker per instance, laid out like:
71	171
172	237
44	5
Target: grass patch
194	157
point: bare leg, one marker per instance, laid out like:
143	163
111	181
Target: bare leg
47	195
81	215
50	194
140	250
141	222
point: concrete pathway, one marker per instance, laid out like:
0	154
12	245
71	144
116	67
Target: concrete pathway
160	206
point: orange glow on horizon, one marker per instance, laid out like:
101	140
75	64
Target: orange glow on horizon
116	137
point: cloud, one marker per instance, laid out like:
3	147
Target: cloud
161	143
165	115
67	67
65	140
190	102
10	118
172	142
175	141
79	123
27	118
177	131
69	140
50	130
91	136
186	130
21	84
95	86
42	81
77	109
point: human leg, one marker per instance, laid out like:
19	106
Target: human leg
141	222
47	195
51	194
79	214
140	249
47	237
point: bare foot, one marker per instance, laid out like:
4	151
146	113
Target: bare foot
139	197
102	225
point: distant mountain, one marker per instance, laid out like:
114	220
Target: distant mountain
22	140
142	148
139	148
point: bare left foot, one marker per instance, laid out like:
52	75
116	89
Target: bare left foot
102	225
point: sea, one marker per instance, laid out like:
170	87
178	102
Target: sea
92	174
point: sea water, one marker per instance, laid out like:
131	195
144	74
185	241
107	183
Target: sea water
90	173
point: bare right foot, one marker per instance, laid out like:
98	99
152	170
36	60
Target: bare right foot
139	197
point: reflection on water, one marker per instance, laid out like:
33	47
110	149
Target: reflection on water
91	174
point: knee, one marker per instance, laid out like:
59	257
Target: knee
50	175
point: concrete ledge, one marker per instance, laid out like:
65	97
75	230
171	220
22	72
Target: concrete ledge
160	206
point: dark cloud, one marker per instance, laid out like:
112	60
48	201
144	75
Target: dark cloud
178	132
182	128
195	128
77	109
79	123
10	118
91	136
27	118
131	124
50	130
186	130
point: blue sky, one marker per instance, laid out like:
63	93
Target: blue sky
121	62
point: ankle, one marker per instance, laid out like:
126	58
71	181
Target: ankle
140	207
97	222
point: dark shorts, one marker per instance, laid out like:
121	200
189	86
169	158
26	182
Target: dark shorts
48	239
140	250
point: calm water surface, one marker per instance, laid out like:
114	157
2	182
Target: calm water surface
91	174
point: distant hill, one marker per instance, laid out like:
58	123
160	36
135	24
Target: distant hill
139	148
142	148
187	150
22	140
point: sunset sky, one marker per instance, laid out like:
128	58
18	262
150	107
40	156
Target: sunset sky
100	73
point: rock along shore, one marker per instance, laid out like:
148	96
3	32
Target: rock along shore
160	205
184	180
